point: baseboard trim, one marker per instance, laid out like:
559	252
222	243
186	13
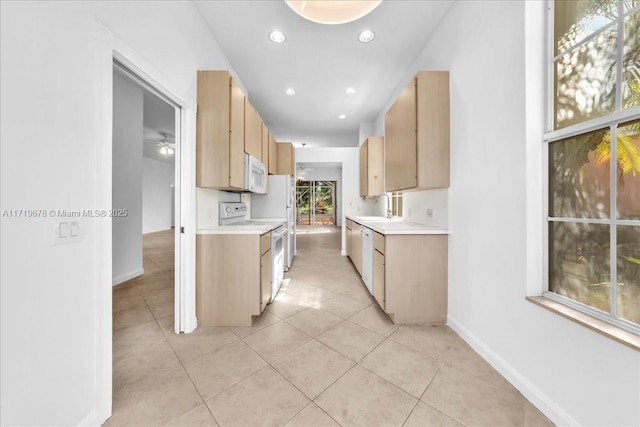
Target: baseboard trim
91	420
532	393
128	276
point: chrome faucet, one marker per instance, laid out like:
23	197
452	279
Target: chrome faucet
388	205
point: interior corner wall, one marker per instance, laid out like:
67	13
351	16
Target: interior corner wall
366	130
127	179
49	86
157	180
574	375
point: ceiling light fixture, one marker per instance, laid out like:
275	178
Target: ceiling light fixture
290	91
166	150
350	91
366	36
332	12
342	116
277	36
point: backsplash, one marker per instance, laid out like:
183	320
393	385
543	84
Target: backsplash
415	205
359	206
207	201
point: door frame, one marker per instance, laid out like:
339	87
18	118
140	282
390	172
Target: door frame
312	199
110	48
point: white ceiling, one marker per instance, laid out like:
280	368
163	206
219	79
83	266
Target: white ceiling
320	62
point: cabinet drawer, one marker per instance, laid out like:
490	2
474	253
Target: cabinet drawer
378	242
349	224
265	242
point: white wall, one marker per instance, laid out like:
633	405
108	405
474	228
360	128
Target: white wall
127	179
351	202
49	86
573	374
207	205
157	179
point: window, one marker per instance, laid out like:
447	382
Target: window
593	152
396	204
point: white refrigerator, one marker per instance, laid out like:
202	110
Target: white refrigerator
279	202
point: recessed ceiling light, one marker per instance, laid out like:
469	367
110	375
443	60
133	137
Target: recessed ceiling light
350	91
366	36
276	36
342	116
290	91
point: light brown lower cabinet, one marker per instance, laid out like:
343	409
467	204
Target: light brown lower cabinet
410	274
414	281
378	268
265	270
378	277
232	290
349	224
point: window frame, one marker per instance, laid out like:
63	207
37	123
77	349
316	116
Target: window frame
612	121
397	203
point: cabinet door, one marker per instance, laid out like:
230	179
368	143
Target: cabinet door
265	145
273	155
378	278
364	169
236	134
212	130
265	279
400	149
433	129
348	239
375	166
356	246
252	131
286	159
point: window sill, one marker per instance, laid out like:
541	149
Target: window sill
620	335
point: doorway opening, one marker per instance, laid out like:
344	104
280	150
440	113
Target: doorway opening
316	202
144	177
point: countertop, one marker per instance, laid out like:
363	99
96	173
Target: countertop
396	226
258	226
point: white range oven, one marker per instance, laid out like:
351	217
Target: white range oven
235	214
277	259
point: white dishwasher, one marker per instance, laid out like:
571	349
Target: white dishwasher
367	258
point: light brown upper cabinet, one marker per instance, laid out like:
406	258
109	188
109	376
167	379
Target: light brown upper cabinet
273	155
286	159
265	146
416	140
252	131
219	132
372	166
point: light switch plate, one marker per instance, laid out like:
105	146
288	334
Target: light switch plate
67	232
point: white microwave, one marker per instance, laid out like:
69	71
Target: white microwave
255	175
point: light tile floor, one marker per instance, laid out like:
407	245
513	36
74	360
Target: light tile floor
322	354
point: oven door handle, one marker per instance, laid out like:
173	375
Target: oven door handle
279	232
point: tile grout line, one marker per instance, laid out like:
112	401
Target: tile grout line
173	350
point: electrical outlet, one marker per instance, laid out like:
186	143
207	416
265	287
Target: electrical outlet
429	213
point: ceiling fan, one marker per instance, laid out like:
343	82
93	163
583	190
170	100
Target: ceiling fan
166	143
305	167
